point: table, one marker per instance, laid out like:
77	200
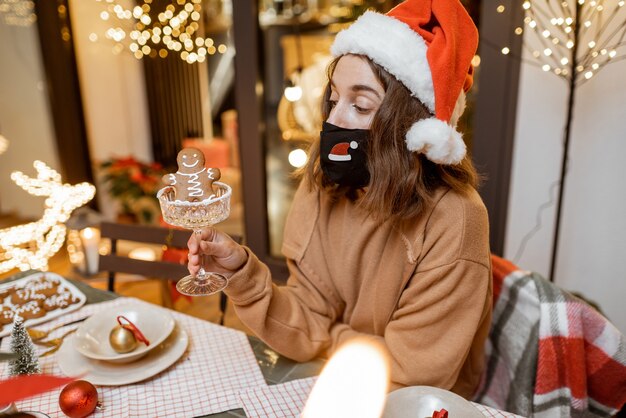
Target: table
274	367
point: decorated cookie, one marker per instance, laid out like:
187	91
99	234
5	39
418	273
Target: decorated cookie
193	182
30	310
22	296
45	286
6	315
59	301
6	292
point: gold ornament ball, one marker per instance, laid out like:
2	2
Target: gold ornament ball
122	340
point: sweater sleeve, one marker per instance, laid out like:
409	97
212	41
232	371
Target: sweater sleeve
430	334
294	319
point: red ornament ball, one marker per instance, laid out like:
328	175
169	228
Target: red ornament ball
78	399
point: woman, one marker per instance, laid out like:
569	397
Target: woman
387	236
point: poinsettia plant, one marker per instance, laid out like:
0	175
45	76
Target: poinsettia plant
134	184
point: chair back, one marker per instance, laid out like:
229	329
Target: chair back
115	263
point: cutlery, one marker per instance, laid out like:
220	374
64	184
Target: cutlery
55	343
37	334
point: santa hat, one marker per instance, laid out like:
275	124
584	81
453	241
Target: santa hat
428	45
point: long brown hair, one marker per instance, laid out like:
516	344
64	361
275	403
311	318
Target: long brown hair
402	182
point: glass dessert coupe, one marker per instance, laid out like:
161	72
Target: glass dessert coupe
195	216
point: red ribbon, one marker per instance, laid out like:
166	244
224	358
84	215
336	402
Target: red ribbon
132	328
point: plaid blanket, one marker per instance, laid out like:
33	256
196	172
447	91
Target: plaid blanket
550	354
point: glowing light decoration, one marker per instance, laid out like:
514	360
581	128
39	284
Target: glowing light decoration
574	33
145	31
578	38
29	246
353	383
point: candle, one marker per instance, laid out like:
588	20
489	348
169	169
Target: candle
90	238
354	383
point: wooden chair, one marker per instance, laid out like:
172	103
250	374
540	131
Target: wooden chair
114	263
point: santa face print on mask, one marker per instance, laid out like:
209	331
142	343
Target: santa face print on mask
343	156
192	182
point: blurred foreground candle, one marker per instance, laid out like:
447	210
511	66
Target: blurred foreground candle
353	383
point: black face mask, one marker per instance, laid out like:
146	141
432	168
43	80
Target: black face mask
343	155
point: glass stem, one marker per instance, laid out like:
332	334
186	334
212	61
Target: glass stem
201	274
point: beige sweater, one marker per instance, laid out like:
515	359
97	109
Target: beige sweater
422	289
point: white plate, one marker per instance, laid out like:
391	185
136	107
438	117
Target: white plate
92	336
422	401
104	373
6	330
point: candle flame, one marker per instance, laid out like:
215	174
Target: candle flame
353	383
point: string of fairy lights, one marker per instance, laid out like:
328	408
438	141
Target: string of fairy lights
574	38
176	29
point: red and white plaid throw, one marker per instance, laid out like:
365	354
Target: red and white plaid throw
549	353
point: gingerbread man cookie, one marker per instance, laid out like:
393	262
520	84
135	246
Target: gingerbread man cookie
193	182
30	310
22	296
43	285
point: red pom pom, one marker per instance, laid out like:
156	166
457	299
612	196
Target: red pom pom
78	399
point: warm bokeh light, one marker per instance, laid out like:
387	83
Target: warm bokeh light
142	253
297	158
354	383
175	28
293	93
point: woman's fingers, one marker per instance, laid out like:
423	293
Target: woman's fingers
193	268
194	259
192	244
208	234
217	250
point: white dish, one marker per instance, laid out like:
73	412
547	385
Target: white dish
422	401
6	330
104	373
92	336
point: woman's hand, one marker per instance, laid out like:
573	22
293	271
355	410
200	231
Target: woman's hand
223	254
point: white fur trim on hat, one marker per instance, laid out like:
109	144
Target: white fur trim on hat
393	45
440	142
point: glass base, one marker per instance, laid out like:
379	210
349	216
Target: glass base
210	284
